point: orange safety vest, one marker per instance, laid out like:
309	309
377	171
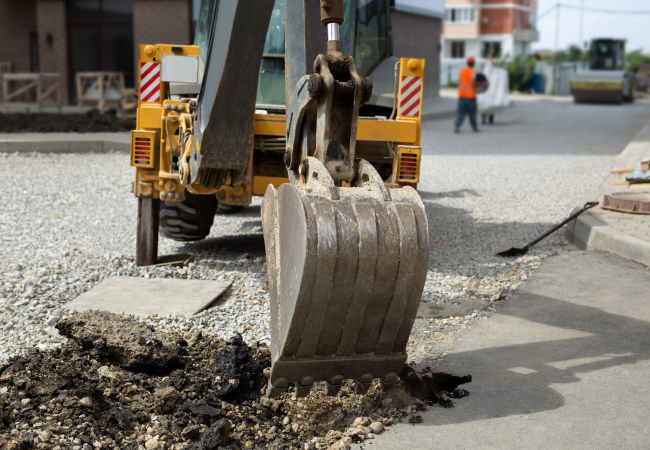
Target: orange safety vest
465	87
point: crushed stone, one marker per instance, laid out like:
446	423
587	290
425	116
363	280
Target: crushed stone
78	395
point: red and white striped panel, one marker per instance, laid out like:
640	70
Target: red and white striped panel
410	90
149	82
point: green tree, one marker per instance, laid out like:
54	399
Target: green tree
573	53
635	59
520	70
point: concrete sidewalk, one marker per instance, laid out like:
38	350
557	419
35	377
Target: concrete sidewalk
64	142
624	234
563	364
442	107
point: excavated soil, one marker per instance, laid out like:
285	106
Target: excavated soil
120	384
92	121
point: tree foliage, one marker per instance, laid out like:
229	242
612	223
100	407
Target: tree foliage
571	54
635	59
520	70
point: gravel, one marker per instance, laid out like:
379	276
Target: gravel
69	221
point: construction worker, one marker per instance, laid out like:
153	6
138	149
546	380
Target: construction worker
467	95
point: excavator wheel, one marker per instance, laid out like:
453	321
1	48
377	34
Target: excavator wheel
189	220
346	269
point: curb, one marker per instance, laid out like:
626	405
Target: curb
588	233
30	145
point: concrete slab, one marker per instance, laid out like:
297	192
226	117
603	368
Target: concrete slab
146	296
563	364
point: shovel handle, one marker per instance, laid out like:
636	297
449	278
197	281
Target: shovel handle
587	206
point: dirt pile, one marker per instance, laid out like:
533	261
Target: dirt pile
92	121
208	395
123	342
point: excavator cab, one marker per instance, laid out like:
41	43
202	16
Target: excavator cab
607	54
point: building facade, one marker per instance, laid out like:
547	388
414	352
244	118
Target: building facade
488	28
416	31
68	36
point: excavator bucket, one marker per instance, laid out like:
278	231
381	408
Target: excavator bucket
346	269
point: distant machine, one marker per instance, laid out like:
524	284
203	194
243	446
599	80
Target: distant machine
607	79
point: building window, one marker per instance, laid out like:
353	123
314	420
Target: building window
457	49
461	15
372	35
491	50
33	52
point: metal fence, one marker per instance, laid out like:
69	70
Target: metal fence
564	72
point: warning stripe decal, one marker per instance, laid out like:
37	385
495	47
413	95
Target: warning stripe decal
410	93
149	82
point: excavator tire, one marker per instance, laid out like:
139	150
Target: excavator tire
346	269
224	208
189	220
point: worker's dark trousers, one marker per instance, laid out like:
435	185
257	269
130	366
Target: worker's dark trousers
466	107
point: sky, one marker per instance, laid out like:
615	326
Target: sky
634	27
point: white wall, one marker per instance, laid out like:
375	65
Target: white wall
430	8
472	47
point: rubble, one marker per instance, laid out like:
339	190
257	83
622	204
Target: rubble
122	341
209	396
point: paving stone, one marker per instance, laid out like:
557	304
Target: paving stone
149	296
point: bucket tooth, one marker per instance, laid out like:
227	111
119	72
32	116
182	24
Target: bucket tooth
362	384
275	391
388	382
334	385
346	268
304	387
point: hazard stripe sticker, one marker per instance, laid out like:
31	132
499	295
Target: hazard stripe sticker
410	93
150	82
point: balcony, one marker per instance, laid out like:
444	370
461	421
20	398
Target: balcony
526	35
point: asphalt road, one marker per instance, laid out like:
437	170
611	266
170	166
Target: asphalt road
564	364
542	127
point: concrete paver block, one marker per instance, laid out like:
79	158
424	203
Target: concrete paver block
147	296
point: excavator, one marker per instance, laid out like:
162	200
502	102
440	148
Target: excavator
346	233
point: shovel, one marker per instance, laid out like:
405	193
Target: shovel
522	251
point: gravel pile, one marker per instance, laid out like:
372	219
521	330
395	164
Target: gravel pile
92	121
69	221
